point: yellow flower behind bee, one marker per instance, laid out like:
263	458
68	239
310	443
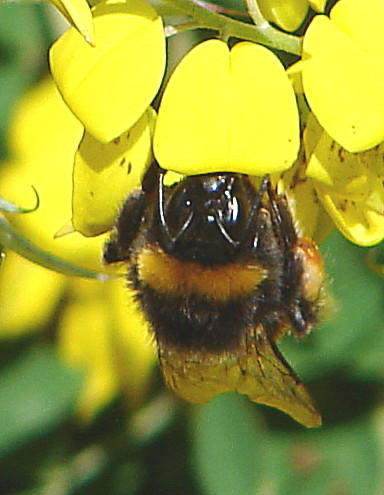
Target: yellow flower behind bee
106	341
227	110
349	185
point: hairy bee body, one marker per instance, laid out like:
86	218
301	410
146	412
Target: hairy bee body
220	273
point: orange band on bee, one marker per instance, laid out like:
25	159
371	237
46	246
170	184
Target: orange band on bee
168	275
313	268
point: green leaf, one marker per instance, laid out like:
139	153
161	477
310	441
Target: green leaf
11	239
343	459
229	447
36	394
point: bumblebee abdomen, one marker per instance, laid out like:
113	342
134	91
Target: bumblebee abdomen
194	322
173	277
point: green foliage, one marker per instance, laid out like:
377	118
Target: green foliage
229	446
234	454
37	393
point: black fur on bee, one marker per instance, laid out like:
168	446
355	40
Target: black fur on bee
211	256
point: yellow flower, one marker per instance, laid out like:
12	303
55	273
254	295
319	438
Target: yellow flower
343	73
349	185
308	211
110	86
99	329
104	174
227	110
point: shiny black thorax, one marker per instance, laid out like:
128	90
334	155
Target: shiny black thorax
204	218
210	221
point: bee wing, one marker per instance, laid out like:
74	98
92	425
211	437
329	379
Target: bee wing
256	368
268	379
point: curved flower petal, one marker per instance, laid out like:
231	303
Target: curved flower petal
289	14
78	13
339	54
344	172
350	185
109	86
104	174
227	111
357	222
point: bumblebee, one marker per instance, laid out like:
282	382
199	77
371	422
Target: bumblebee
220	272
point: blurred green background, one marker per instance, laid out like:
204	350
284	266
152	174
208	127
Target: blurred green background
227	447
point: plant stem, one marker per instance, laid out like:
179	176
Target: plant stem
264	34
11	239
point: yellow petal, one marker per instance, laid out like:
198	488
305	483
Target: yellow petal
362	22
336	168
347	103
310	216
356	176
31	134
78	13
288	14
24	287
109	87
227	111
102	333
84	341
104	174
357	222
44	159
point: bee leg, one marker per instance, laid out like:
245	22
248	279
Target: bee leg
257	204
282	219
303	271
127	228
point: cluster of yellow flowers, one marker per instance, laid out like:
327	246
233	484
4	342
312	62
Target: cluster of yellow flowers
317	127
231	110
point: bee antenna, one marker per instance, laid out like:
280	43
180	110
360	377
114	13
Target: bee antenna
169	239
224	232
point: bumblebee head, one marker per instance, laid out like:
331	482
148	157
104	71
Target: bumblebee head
205	218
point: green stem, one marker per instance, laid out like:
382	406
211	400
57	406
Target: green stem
11	239
264	34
